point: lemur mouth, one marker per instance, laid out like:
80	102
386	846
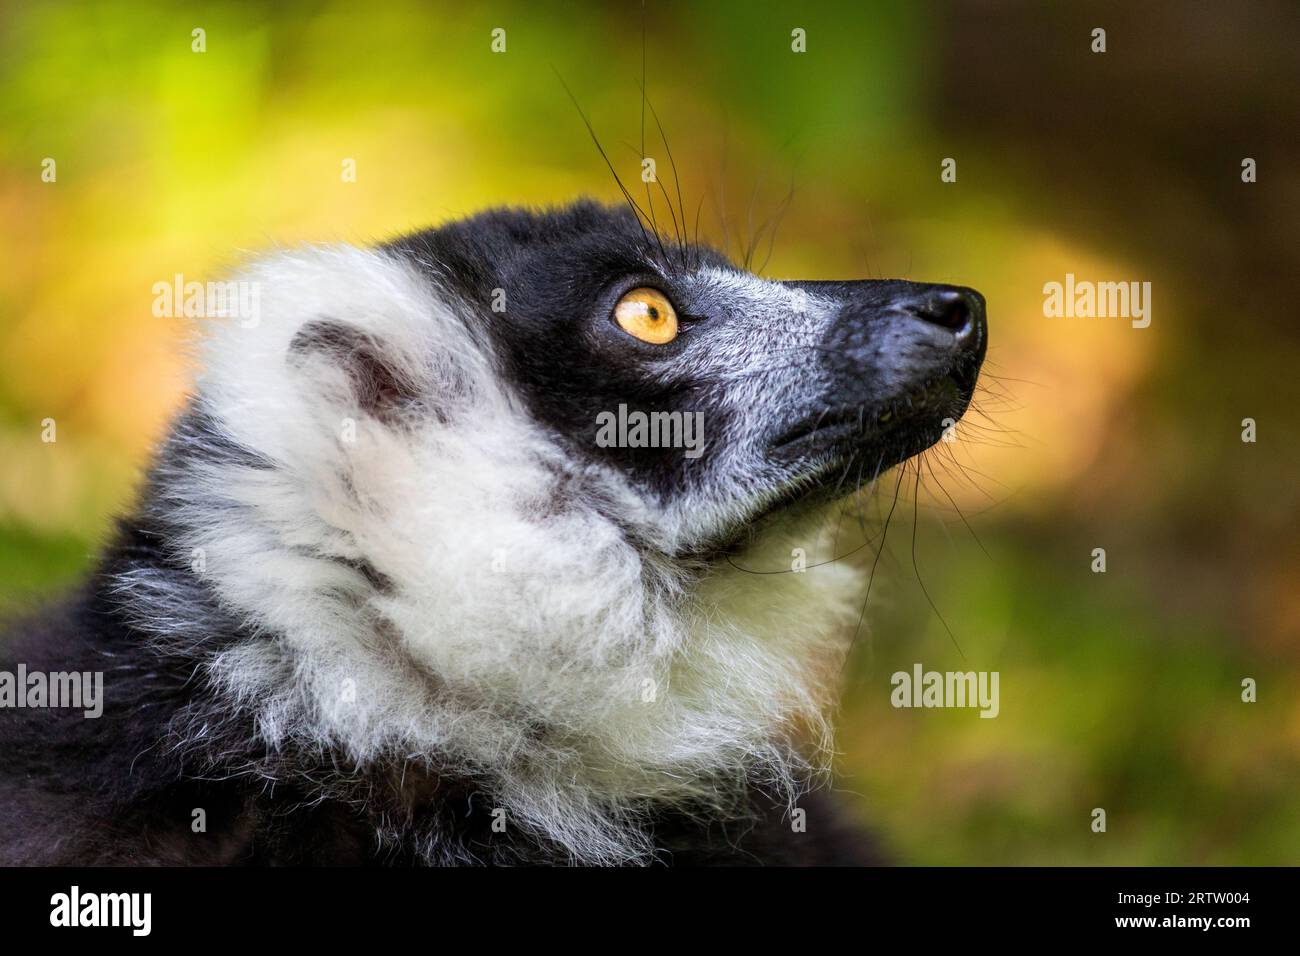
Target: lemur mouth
824	430
824	446
906	425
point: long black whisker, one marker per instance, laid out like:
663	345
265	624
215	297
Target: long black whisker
930	468
916	497
677	181
835	545
697	222
874	564
775	220
867	538
677	231
650	202
640	215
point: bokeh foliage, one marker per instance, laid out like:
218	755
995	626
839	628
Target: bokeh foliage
1118	690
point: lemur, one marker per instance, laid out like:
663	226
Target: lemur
386	599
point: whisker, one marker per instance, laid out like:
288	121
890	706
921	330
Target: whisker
874	564
917	569
673	163
640	215
929	467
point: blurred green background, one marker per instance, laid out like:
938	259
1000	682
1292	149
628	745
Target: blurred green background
1119	690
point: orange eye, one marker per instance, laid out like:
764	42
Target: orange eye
648	315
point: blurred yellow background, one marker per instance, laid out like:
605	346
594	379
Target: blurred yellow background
1119	690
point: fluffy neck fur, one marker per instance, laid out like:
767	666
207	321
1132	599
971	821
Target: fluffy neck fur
458	591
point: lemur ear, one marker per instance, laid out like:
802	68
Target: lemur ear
378	383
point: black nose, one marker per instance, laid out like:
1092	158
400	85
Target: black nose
955	308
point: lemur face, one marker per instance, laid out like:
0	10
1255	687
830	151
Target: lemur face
776	390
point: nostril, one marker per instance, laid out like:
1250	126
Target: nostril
954	309
955	314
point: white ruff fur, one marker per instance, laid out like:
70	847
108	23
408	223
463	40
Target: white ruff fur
524	638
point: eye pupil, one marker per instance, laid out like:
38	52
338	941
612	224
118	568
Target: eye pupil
646	314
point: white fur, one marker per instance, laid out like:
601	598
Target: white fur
520	637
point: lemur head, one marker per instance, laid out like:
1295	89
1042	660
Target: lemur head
775	387
405	474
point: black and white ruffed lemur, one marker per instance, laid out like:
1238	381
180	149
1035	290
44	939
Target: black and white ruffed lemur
388	597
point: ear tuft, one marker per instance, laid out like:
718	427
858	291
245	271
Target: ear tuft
378	384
